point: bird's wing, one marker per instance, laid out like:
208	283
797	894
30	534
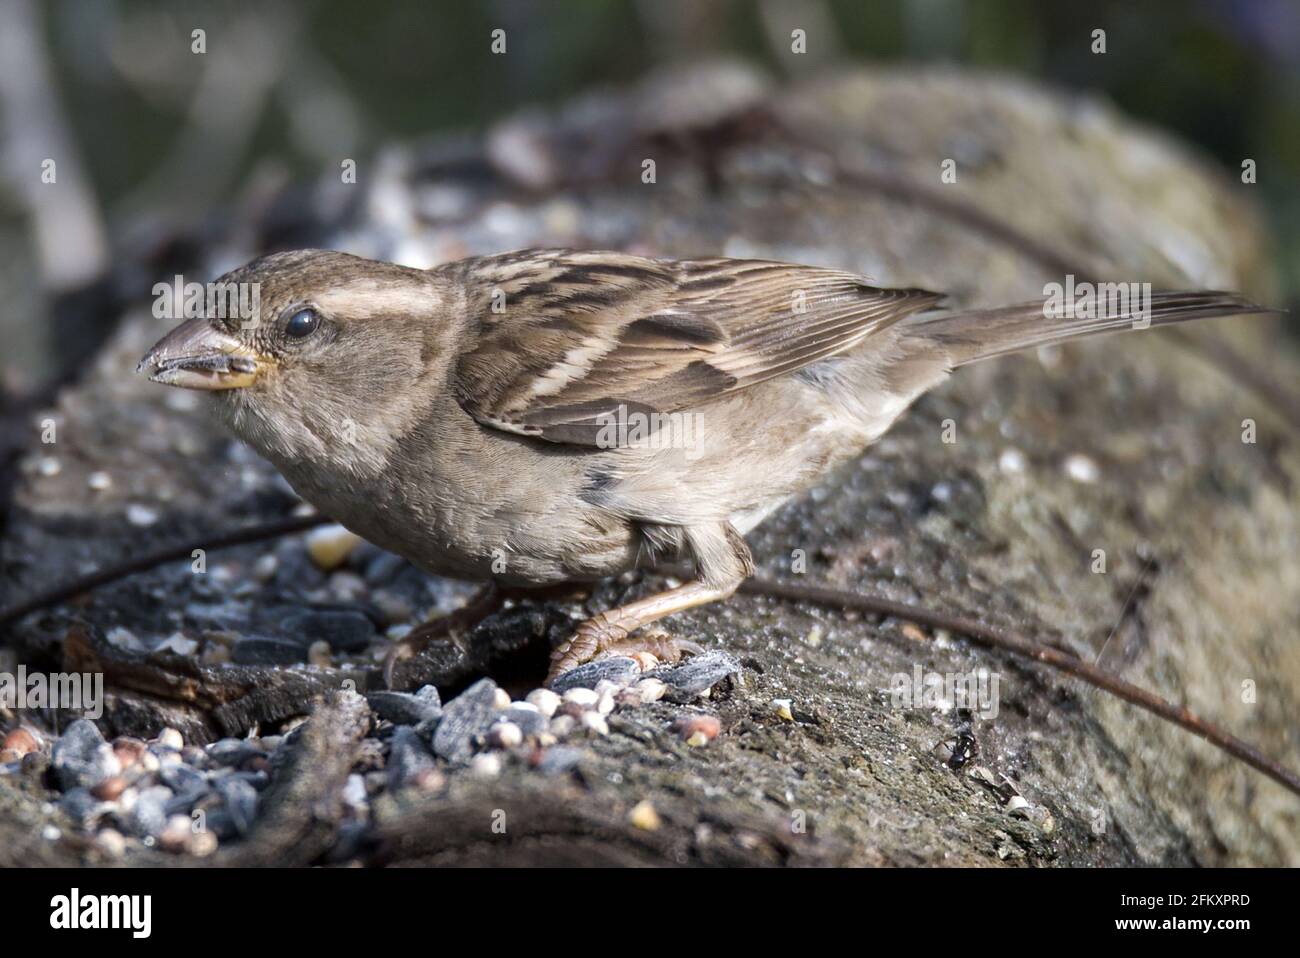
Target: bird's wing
567	338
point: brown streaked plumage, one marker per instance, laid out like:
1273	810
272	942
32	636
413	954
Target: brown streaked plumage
468	417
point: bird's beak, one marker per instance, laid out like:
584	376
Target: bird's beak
197	355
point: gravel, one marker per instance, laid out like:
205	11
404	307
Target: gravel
466	719
82	758
406	708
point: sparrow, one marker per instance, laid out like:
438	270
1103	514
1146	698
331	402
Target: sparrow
551	416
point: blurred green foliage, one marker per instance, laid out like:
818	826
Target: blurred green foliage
1222	74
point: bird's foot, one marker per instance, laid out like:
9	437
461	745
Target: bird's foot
599	637
650	647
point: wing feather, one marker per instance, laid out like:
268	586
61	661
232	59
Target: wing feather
565	338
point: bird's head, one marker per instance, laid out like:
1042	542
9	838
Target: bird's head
312	354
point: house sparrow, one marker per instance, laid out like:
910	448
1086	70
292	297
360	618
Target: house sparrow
549	416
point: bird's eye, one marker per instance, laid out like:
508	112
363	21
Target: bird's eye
302	323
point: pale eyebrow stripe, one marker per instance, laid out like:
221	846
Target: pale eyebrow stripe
366	300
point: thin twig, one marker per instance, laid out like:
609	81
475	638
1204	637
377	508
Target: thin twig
144	563
990	637
979	632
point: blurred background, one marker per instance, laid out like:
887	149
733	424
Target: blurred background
152	138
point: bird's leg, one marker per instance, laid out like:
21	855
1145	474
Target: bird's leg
453	625
609	631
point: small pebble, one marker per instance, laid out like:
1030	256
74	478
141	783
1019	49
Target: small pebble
329	546
240	801
319	654
464	719
913	631
408	756
562	726
201	844
265	567
697	729
21	741
81	757
1080	468
505	735
148	814
595	722
650	690
139	515
486	765
110	789
178	644
347	630
215	654
259	650
559	759
124	639
229	751
99	481
545	700
347	586
1012	461
406	708
582	697
527	717
571	710
644	816
82	807
171	738
782	709
175	834
111	843
49	467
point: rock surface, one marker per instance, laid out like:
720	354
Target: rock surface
1129	445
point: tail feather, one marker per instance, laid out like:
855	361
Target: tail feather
972	335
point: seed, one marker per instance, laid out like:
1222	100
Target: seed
650	690
595	722
505	735
21	741
111	843
644	816
330	546
110	789
128	750
583	698
698	729
485	765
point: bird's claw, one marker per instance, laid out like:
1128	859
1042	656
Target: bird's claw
598	637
